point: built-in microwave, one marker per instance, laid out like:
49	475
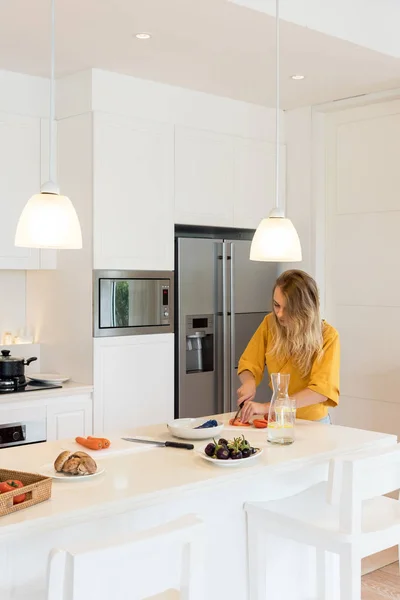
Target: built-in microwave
132	302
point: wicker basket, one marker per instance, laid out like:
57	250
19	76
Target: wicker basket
36	487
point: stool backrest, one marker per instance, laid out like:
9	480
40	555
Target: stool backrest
362	476
126	565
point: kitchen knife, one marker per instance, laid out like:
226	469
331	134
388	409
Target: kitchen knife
239	409
156	443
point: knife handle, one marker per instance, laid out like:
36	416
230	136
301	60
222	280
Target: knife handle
179	445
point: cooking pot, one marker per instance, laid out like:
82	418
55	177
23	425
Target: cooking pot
12	367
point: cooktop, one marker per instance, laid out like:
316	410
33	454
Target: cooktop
32	386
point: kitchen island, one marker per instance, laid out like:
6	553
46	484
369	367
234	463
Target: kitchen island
144	486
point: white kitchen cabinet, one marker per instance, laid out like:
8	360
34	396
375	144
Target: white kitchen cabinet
19	180
133	214
24	150
69	418
133	381
254	193
224	180
204	177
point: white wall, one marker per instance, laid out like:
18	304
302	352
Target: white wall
12	302
362	289
343	196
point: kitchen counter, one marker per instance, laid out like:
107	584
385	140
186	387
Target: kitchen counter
143	486
69	388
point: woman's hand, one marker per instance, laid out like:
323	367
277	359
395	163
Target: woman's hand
250	409
247	391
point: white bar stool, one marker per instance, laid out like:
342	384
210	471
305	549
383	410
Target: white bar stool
347	516
126	566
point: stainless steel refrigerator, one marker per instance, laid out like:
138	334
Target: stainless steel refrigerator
221	299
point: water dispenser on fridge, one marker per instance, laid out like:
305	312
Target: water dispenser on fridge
199	344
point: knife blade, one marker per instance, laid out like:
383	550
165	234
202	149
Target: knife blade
157	443
239	409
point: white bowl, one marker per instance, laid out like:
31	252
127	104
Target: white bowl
185	429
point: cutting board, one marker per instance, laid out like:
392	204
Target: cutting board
243	430
118	446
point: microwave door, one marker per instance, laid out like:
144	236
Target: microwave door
107	303
114	303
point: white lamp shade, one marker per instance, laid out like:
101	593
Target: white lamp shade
276	240
49	221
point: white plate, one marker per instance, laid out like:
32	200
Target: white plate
240	462
50	471
185	429
48	377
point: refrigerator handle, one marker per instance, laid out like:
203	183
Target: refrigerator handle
232	404
225	346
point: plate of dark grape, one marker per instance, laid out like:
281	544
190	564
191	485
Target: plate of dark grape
230	453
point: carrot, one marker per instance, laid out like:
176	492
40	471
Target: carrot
105	443
260	423
91	444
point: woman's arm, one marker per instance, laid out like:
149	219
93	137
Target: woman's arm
251	371
247	391
323	386
307	398
252	362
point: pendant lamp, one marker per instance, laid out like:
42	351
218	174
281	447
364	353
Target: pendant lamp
49	220
276	239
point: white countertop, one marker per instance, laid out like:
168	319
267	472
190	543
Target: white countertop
69	388
137	475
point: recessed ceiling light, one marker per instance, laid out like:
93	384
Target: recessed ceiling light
143	36
298	77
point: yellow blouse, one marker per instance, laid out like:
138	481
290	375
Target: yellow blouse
323	377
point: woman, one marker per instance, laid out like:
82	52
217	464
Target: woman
293	339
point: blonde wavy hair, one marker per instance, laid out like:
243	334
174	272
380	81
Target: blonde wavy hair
301	339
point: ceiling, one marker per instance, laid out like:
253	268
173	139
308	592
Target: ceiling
214	46
373	24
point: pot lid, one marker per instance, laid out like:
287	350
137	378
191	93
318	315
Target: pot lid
5	357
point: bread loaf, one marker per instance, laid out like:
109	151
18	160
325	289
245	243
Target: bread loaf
60	460
77	463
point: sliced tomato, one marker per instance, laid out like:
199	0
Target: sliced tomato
260	423
238	423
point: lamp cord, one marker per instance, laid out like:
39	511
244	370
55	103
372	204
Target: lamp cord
52	174
277	170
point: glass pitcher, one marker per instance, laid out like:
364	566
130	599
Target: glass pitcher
281	416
